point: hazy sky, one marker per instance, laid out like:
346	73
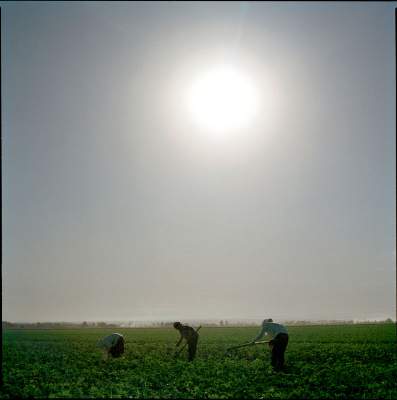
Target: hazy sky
118	205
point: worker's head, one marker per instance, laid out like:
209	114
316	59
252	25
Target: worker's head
265	321
177	325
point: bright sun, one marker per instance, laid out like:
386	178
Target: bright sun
223	100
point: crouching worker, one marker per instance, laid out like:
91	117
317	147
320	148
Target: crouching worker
191	337
278	342
112	345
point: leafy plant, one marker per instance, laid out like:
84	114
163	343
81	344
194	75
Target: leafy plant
352	361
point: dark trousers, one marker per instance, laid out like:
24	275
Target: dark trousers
278	346
192	347
118	349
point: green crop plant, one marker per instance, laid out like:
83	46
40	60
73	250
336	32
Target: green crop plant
349	361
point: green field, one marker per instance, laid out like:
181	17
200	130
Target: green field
349	361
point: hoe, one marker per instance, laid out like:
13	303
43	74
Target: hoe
246	345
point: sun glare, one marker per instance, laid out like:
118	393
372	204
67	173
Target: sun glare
222	100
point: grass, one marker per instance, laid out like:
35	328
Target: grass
349	361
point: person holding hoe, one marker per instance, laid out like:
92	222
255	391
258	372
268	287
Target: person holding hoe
190	335
278	342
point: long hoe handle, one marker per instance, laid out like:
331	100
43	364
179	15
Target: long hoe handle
246	345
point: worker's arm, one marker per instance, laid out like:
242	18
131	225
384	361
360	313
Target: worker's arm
260	334
102	344
180	340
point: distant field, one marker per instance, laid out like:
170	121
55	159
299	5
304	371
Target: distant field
349	361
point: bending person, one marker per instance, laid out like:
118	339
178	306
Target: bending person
191	337
278	342
112	345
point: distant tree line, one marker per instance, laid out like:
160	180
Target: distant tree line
338	322
168	324
57	325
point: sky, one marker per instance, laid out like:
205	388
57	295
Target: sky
117	204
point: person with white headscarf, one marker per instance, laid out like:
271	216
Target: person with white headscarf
112	345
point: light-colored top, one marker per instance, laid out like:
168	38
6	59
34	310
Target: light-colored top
109	341
272	329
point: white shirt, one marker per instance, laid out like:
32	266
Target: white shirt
271	328
109	341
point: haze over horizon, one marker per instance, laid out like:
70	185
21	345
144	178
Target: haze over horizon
129	194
